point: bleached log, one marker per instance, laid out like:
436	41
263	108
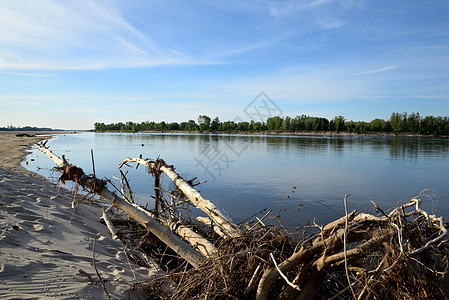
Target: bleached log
194	196
109	225
186	233
137	213
60	162
194	239
164	234
338	222
208	222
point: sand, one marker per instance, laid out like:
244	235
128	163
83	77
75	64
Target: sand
13	151
42	251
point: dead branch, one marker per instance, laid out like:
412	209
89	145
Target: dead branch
226	225
109	225
136	212
366	234
208	222
98	274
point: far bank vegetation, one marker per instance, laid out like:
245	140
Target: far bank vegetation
398	123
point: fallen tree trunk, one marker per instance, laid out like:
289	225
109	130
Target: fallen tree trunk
145	218
226	225
194	239
136	212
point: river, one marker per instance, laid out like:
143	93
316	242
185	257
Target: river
304	179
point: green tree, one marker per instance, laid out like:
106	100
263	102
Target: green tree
286	123
191	126
173	126
414	122
274	123
204	122
215	124
243	126
100	127
397	121
308	123
338	123
377	125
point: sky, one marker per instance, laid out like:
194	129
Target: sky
68	64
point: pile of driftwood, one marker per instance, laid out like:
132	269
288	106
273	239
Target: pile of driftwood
399	254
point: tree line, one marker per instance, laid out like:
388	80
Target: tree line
26	128
398	122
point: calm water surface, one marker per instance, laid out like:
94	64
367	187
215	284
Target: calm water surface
247	174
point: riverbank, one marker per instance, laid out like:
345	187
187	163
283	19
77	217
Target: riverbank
13	150
46	245
286	133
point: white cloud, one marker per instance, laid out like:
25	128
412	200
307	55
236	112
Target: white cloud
89	34
285	8
83	34
280	9
383	69
26	74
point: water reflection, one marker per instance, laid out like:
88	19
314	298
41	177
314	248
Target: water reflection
397	146
417	146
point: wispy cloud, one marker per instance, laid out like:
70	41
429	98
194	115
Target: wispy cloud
91	35
324	13
250	47
26	74
70	98
379	70
73	35
284	8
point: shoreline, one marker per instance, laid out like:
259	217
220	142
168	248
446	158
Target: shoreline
14	149
46	245
285	133
15	146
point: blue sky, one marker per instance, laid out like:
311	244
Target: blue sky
68	64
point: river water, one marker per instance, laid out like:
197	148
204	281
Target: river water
304	179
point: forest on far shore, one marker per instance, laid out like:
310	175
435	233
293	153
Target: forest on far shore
398	123
27	128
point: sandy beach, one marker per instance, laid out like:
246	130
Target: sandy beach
46	247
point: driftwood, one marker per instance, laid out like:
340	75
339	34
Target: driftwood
204	246
368	234
208	222
136	212
109	225
223	222
399	255
201	244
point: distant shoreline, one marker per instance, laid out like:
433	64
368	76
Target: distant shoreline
285	133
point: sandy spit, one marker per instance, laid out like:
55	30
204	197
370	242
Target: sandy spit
13	151
44	243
